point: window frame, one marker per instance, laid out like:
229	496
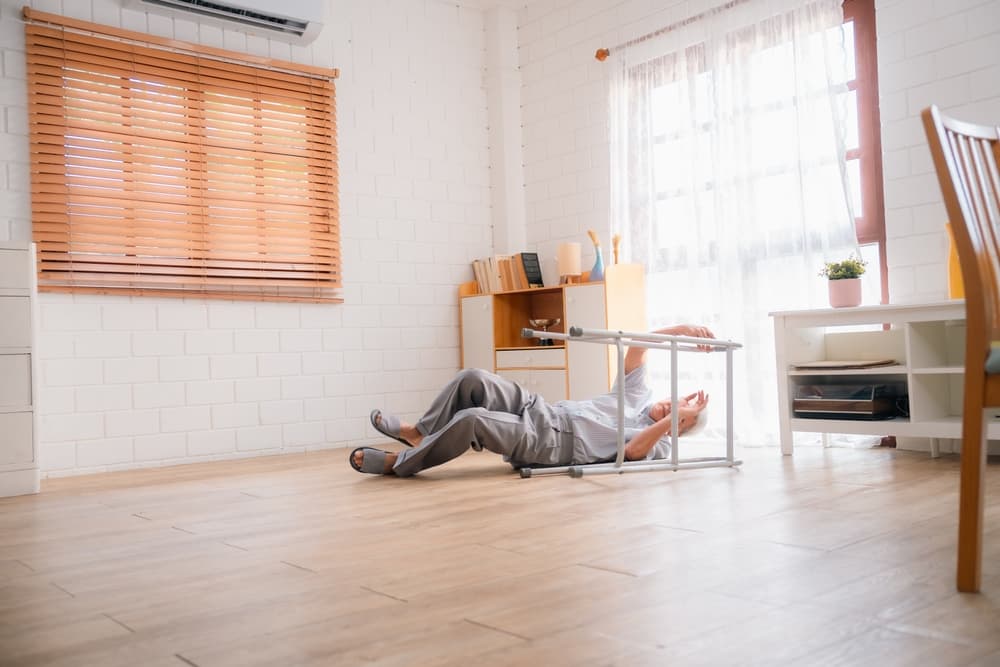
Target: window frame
870	223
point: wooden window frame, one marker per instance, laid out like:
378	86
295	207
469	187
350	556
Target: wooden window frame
166	168
870	221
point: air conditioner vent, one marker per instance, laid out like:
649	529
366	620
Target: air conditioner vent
244	16
297	21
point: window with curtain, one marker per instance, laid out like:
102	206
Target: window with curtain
185	171
729	179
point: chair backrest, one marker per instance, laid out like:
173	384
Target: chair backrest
967	160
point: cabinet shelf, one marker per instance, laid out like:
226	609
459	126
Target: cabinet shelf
941	427
849	372
894	426
492	324
939	370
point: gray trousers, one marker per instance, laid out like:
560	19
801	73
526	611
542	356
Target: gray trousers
480	410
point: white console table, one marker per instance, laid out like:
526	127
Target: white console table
927	342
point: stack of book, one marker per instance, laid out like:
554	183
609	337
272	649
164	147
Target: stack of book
504	273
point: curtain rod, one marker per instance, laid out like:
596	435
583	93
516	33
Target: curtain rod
602	54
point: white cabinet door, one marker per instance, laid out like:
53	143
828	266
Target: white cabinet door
588	363
518	375
477	332
15	321
15	381
17	437
15	269
551	384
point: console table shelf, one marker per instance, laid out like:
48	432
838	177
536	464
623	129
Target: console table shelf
927	342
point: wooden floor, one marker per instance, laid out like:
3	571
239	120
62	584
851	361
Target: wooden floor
833	557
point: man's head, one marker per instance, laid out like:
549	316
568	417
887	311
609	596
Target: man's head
689	407
659	410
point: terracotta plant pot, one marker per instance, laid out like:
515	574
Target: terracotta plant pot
845	293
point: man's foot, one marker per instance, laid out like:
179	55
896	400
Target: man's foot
358	460
396	429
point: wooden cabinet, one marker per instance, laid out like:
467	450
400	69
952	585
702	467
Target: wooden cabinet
492	323
926	342
18	460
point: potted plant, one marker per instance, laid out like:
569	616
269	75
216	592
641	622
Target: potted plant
844	280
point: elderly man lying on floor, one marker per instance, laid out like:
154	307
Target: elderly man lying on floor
480	410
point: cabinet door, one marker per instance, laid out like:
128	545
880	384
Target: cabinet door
15	314
477	332
588	363
15	269
15	380
520	376
17	438
551	384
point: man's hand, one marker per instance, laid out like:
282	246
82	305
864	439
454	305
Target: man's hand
692	330
636	356
688	409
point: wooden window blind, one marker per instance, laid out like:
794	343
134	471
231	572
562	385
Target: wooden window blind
182	171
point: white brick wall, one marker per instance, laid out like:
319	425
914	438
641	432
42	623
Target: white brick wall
945	53
130	382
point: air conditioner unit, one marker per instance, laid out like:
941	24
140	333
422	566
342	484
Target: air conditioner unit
296	21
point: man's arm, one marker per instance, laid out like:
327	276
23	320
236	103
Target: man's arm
636	356
638	447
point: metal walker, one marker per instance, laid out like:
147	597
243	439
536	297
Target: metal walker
676	344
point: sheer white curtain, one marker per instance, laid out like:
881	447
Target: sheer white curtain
729	184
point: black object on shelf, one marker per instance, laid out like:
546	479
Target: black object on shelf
532	268
846	401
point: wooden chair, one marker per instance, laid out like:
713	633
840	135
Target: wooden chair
967	160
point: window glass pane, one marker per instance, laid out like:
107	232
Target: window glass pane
817	134
704	104
842	71
676	231
771	73
672	165
871	279
704	169
849	103
666	101
848	35
821	187
854	178
777	204
771	142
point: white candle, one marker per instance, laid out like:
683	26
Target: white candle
568	259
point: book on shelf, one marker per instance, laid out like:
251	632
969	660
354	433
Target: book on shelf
532	269
506	273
